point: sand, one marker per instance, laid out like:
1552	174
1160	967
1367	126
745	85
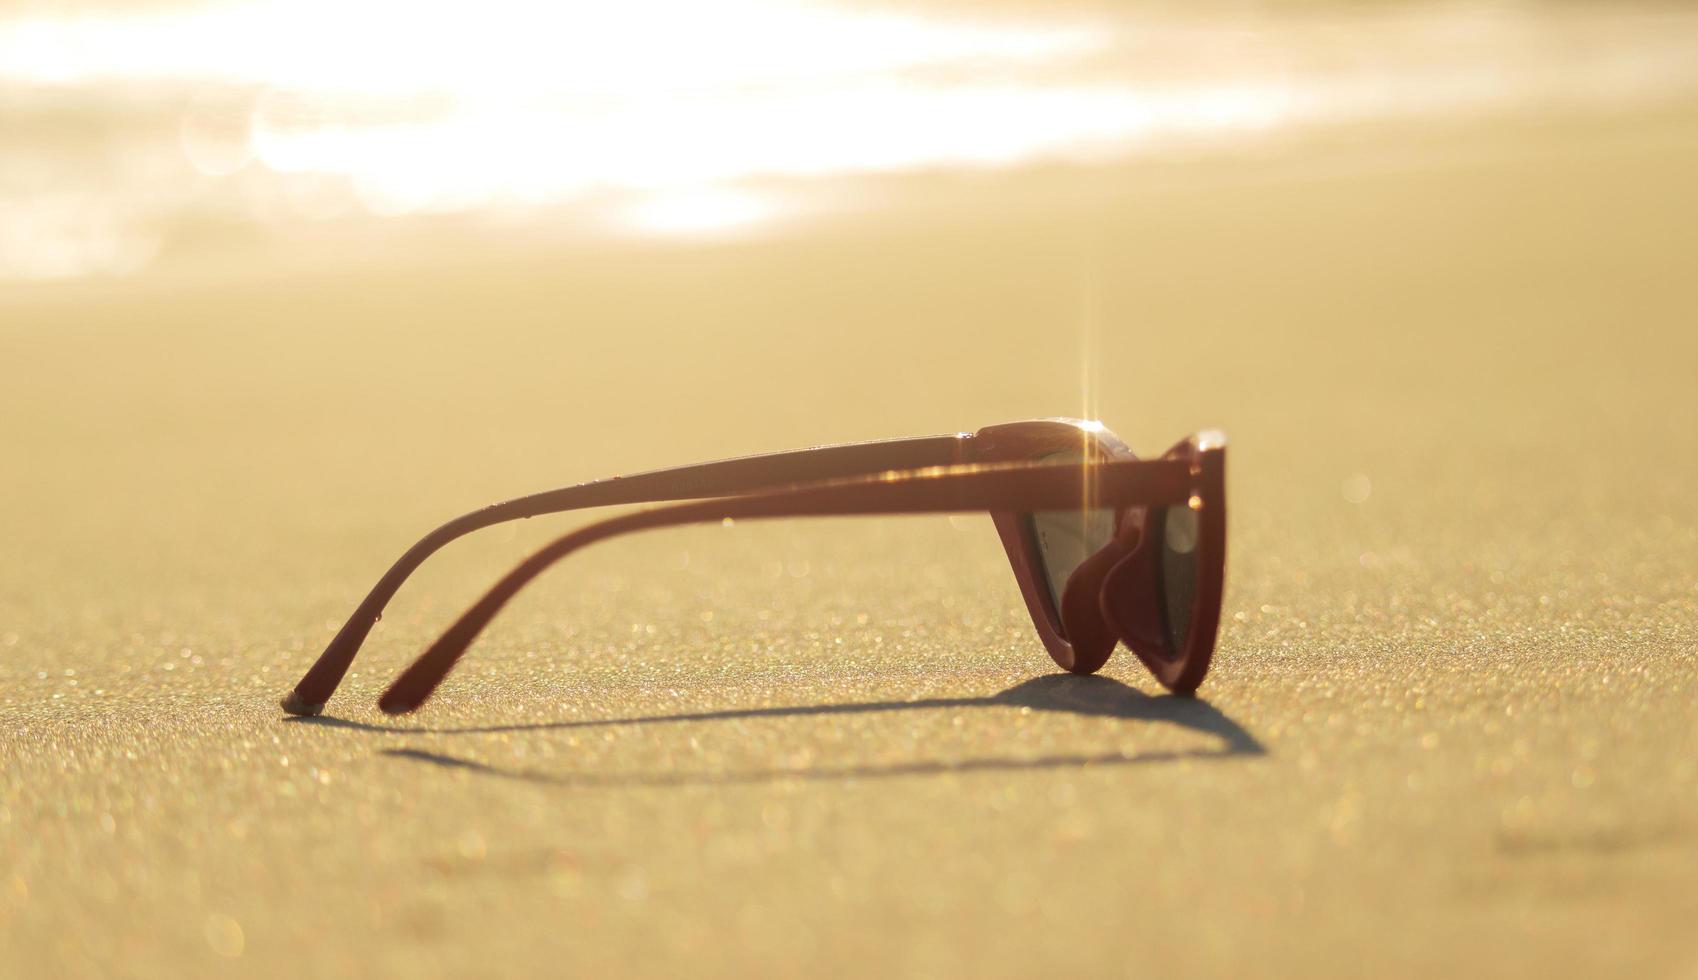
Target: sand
1450	729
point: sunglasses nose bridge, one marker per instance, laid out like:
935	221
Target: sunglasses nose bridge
1130	603
1087	630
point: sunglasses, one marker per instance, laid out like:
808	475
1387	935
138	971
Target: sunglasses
1107	548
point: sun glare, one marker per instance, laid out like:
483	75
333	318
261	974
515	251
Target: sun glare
316	110
697	212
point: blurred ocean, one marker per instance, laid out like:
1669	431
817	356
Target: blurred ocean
132	135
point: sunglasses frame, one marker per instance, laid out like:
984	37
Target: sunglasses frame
1180	671
998	469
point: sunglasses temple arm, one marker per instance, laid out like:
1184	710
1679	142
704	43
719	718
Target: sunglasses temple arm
728	476
977	489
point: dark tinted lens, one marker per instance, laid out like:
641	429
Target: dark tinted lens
1180	530
1066	538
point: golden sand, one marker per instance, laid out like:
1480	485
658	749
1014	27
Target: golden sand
1450	731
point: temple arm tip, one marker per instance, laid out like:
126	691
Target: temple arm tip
392	704
297	705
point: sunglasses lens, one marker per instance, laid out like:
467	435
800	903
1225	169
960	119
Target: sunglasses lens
1179	531
1065	538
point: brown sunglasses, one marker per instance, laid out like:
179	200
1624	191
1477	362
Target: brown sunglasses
1106	547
